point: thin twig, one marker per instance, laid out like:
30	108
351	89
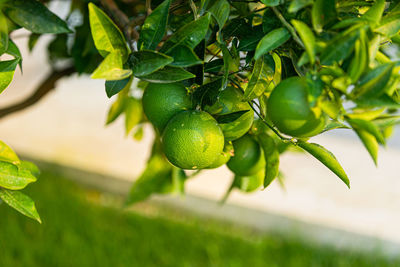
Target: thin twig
42	90
148	7
288	26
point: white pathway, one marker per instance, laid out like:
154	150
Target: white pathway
67	127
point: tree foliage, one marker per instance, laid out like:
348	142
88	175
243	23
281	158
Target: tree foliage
345	50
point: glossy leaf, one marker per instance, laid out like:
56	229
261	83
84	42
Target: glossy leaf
184	56
367	126
370	143
106	35
154	27
3	34
168	75
271	154
111	68
296	5
14	178
190	35
34	16
116	109
261	77
220	11
374	13
230	117
389	26
373	102
326	158
133	113
271	2
251	38
360	60
145	62
307	37
7	154
207	94
7	69
271	41
114	87
13	50
322	13
20	202
374	82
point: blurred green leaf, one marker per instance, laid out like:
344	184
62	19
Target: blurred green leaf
296	5
116	109
230	117
389	26
20	202
374	82
220	10
271	154
307	37
7	154
207	94
326	158
373	102
34	16
271	41
14	178
370	143
3	34
184	56
111	68
154	27
261	77
145	62
332	125
13	50
190	35
360	59
29	166
367	126
33	38
106	35
271	2
323	12
114	87
374	13
7	69
168	74
133	113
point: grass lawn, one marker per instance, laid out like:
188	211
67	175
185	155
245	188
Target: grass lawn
78	231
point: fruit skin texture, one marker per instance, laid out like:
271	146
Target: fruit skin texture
289	110
162	101
230	101
223	158
192	140
248	157
250	183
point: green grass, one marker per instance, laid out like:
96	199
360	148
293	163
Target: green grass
77	231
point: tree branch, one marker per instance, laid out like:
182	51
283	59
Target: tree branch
43	89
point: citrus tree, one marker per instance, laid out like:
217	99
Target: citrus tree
232	82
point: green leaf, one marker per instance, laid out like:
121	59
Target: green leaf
133	113
230	117
33	38
374	13
370	143
220	10
14	178
184	56
340	47
3	34
111	68
374	102
116	109
360	60
374	82
168	75
13	50
214	66
114	87
307	37
271	41
21	202
29	166
145	62
326	158
271	2
261	77
271	154
7	154
322	13
106	35
296	5
7	69
250	38
207	94
154	179
190	35
389	26
34	16
367	126
332	125
154	27
383	122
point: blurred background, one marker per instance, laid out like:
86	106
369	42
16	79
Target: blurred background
87	170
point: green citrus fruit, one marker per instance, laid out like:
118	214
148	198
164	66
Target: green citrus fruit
162	101
248	157
250	183
192	140
288	108
223	157
230	100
